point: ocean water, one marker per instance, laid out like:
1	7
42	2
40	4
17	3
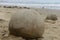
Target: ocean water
50	6
32	3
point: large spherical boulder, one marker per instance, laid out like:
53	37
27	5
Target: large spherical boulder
27	24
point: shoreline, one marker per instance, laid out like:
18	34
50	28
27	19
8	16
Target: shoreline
47	6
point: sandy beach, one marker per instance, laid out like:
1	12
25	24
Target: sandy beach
52	31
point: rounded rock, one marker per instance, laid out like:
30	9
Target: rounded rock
51	17
27	24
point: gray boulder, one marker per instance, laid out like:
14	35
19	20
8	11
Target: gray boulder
51	17
27	24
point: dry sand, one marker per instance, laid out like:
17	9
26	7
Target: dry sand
52	31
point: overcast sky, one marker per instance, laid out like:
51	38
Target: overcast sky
31	1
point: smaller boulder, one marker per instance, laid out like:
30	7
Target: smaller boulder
52	17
